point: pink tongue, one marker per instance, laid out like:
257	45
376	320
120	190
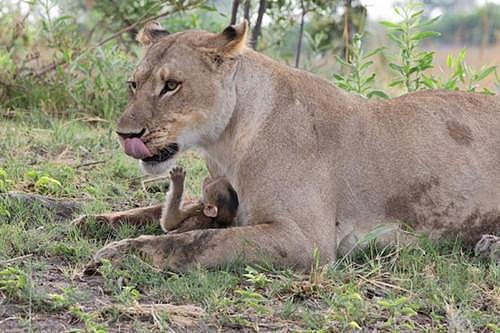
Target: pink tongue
136	148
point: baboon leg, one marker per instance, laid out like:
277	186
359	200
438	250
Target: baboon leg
136	216
279	244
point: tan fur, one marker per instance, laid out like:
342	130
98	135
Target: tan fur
314	167
216	195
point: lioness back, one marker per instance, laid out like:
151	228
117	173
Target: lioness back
429	159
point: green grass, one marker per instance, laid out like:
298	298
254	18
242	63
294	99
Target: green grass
425	287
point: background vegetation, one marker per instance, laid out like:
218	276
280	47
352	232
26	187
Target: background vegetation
63	67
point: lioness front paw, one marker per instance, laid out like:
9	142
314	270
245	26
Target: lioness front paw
177	175
110	252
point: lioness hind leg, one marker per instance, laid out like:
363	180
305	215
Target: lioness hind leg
136	216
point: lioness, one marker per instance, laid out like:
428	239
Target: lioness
313	166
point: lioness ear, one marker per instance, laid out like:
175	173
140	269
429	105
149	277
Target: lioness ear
151	33
233	39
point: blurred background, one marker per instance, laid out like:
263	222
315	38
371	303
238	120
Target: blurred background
73	57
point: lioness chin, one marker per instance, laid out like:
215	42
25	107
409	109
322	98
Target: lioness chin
313	166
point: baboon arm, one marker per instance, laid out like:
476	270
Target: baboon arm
173	216
279	244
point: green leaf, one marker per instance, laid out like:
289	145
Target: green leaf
429	22
419	13
365	65
450	85
429	82
398	40
338	77
373	52
390	25
486	91
342	61
449	60
396	83
368	80
461	55
397	68
377	93
484	73
424	34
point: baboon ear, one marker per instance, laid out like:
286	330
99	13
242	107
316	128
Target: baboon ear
233	39
151	33
210	210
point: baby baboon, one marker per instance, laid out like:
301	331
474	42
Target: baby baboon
216	209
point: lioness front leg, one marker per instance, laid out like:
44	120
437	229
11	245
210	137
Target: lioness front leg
136	216
281	244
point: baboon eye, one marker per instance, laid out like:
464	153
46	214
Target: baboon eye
170	85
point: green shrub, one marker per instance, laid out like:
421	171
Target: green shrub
407	34
13	281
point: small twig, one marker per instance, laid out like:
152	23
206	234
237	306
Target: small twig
7	319
8	261
89	164
381	284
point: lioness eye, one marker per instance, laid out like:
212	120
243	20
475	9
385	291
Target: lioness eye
170	85
132	85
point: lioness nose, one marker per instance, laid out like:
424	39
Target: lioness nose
130	135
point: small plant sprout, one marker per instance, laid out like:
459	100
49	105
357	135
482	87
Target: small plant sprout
257	279
461	74
48	185
407	34
5	182
13	281
358	80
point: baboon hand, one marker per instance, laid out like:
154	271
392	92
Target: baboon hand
177	175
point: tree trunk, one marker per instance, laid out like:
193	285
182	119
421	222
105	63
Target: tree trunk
347	7
258	24
301	34
246	11
486	33
234	11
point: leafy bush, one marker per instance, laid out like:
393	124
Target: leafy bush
76	62
358	80
4	181
461	73
13	281
407	34
55	63
410	70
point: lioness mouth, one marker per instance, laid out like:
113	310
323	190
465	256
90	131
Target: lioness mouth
164	154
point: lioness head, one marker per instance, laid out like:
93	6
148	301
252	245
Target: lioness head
181	94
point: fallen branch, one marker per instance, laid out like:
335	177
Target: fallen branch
8	261
182	315
89	164
382	284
